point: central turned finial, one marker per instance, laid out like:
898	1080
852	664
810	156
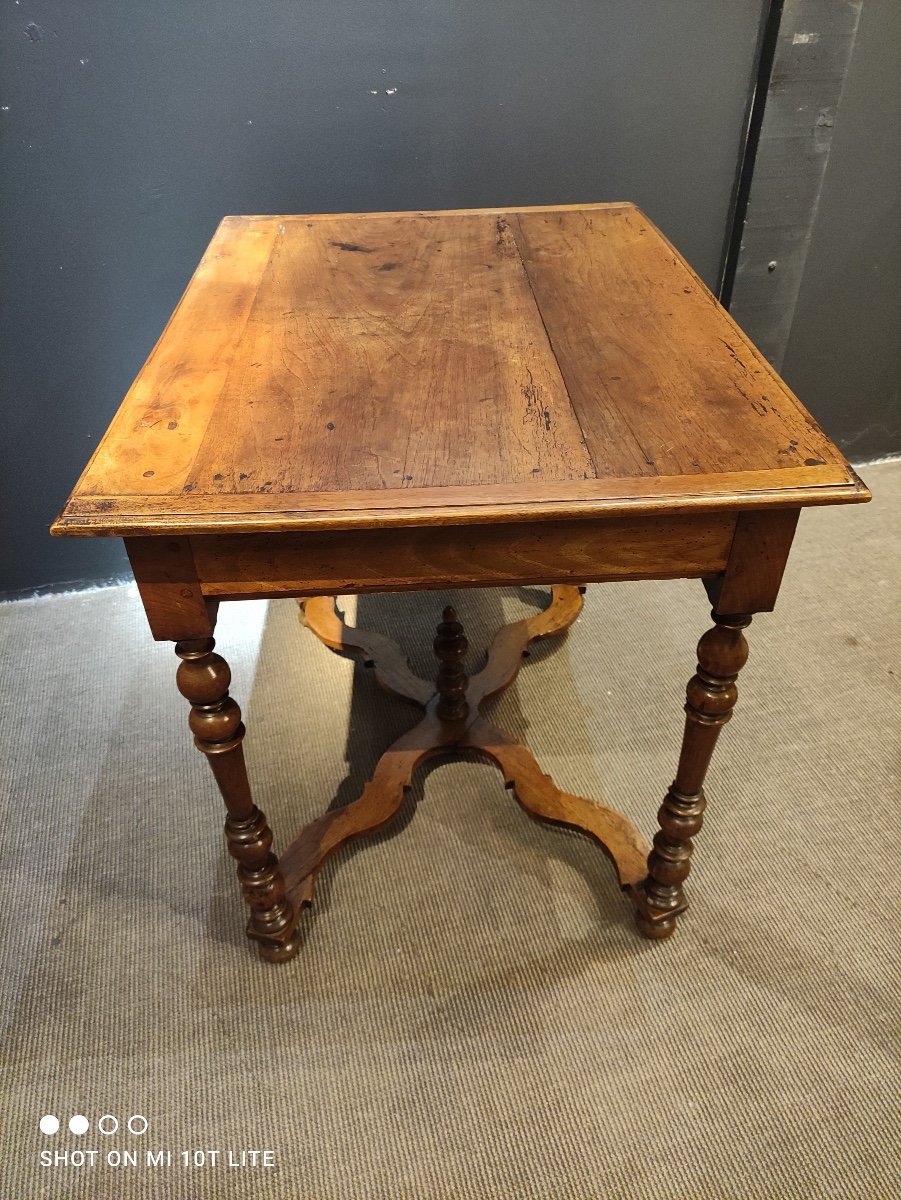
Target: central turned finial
450	647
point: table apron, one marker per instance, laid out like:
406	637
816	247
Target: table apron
390	559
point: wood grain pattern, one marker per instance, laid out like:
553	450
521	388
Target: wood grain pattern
757	559
735	491
539	795
368	362
505	654
397	559
164	418
662	380
170	590
386	659
446	367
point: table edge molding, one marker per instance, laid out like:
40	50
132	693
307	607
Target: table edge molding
792	487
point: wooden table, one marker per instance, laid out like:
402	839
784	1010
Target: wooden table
366	403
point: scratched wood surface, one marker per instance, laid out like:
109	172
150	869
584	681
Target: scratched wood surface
447	367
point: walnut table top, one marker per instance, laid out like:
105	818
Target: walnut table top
356	370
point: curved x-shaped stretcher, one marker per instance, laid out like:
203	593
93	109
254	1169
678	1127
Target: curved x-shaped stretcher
464	729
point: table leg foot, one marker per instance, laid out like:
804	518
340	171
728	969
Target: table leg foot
655	923
655	930
274	951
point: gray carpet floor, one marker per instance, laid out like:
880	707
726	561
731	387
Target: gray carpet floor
472	1014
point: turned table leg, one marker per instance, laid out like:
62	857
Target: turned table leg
711	697
450	649
215	720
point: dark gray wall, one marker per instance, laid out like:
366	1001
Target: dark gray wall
844	352
814	45
129	129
